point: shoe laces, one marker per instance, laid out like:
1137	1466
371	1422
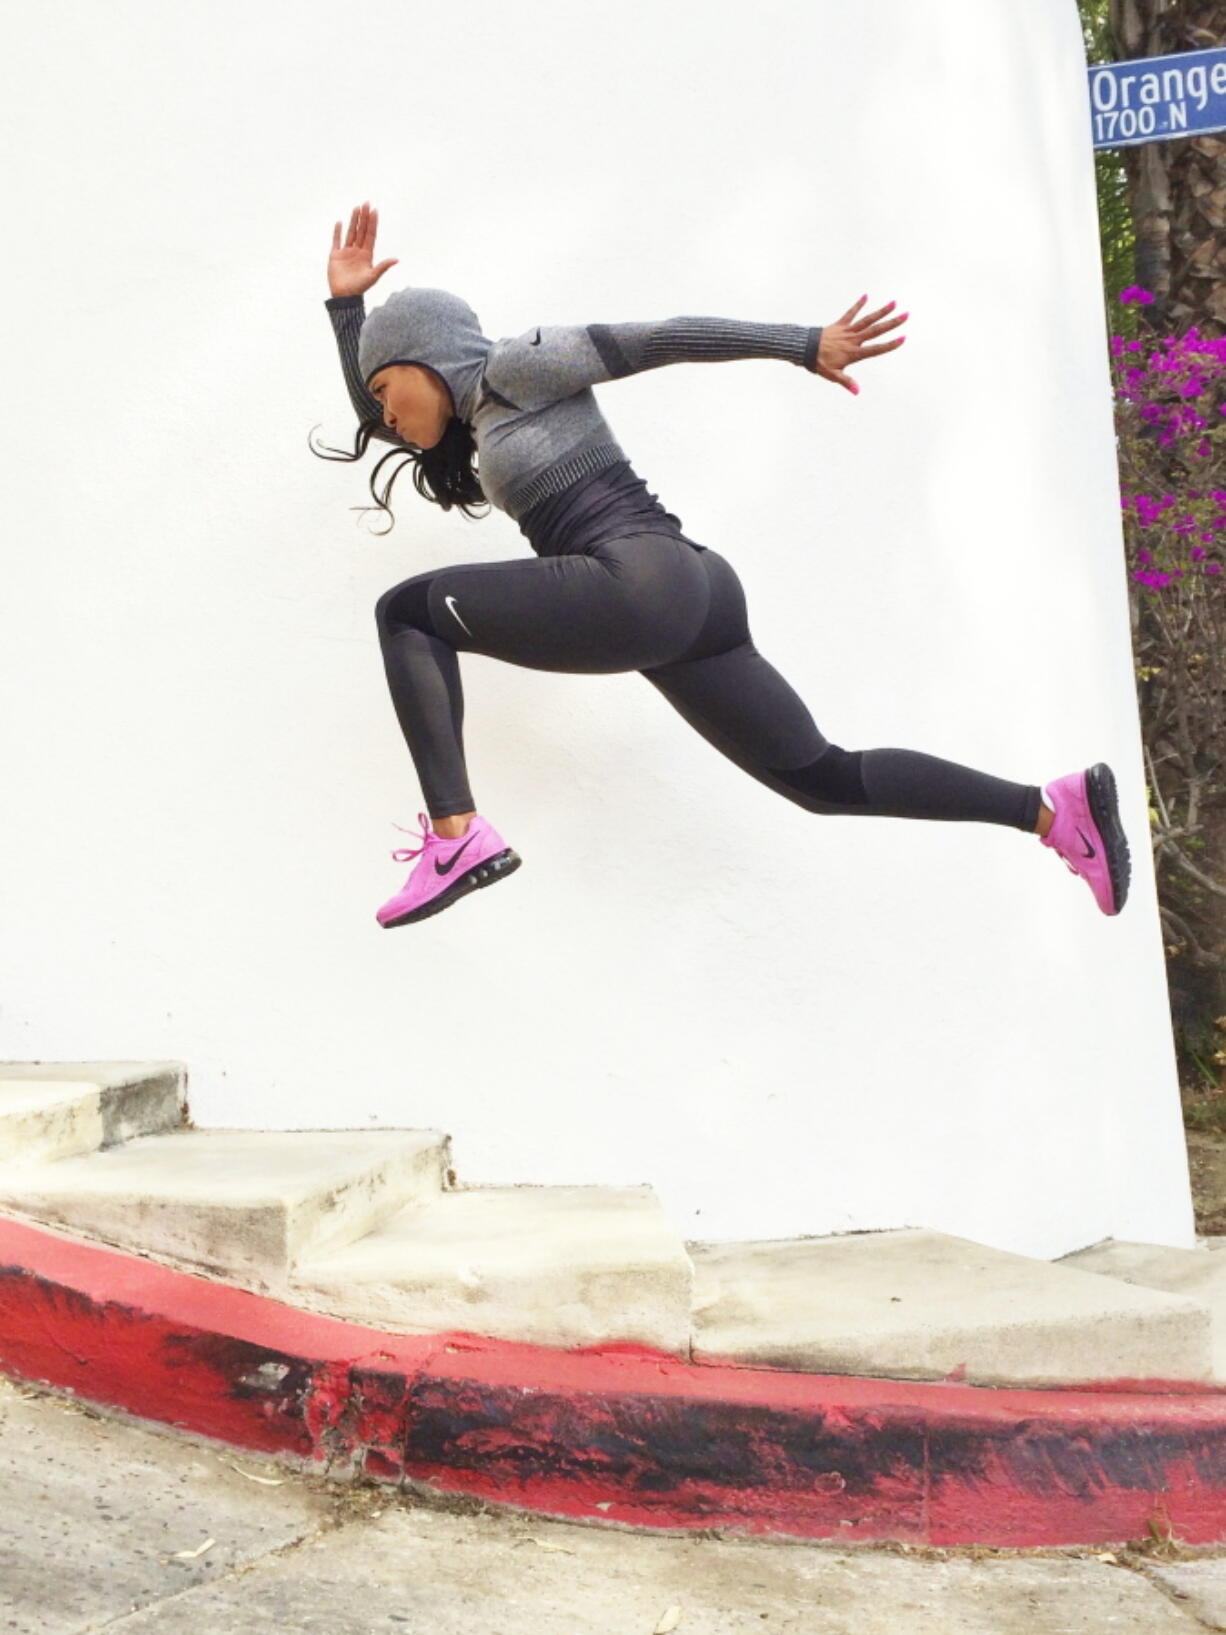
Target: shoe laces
426	836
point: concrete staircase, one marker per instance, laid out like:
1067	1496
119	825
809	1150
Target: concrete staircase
372	1227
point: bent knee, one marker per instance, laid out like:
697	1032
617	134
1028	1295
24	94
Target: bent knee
406	605
834	776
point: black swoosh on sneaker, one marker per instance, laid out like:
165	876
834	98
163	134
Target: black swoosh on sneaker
1089	849
446	868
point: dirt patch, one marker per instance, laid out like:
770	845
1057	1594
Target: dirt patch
1207	1166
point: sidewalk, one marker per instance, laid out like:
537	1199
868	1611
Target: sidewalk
108	1525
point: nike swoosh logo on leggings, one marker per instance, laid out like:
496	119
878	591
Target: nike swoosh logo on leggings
451	608
446	868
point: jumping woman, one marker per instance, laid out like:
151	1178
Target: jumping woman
615	585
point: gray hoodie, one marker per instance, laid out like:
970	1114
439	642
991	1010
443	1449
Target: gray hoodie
528	399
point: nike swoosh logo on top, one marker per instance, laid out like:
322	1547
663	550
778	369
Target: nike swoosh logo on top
1089	849
451	608
446	868
537	341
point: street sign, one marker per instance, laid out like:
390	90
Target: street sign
1158	99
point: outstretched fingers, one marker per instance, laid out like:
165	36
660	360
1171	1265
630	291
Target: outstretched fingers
357	227
364	226
874	351
870	327
871	318
852	310
888	345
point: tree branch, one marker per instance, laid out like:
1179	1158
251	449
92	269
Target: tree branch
1190	868
1183	934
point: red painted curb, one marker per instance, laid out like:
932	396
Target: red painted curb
623	1433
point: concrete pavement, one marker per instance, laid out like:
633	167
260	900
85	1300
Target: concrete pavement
118	1526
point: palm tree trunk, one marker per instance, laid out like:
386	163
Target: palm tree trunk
1177	189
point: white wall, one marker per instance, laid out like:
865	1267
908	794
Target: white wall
787	1024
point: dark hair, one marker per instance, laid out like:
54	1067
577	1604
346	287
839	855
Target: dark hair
446	474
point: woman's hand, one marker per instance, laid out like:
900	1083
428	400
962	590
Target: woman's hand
843	342
349	268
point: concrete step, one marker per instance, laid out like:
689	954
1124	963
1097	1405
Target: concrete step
915	1304
1199	1274
51	1110
556	1266
238	1204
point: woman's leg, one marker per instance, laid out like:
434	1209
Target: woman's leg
742	706
640	600
423	677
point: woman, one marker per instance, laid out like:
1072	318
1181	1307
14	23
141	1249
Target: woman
615	585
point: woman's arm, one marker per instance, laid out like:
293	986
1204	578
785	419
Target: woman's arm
548	363
543	365
347	313
351	272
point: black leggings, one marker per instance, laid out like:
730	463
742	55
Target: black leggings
654	603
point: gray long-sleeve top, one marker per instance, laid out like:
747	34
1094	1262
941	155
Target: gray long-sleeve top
534	416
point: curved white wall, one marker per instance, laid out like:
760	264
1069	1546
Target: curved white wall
788	1024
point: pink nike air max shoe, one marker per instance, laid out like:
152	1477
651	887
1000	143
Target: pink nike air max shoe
1086	832
446	870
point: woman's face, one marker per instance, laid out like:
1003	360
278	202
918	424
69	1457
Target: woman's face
416	403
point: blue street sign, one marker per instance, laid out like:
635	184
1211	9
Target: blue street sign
1157	99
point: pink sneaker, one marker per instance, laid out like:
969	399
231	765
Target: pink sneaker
446	870
1086	833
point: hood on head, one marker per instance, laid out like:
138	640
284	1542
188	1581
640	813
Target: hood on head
432	327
